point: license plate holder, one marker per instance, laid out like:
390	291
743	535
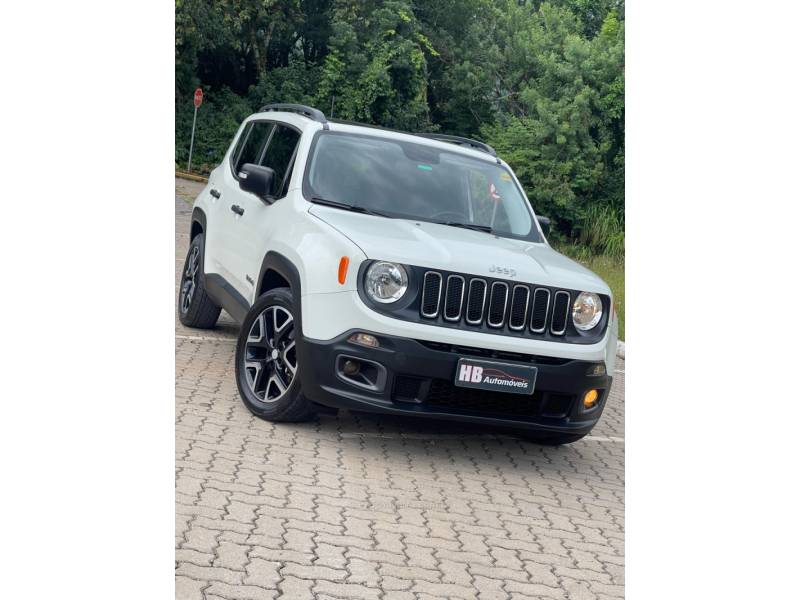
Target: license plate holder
495	376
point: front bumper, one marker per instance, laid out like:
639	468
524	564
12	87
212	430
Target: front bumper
415	378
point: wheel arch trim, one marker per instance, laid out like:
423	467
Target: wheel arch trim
198	217
274	261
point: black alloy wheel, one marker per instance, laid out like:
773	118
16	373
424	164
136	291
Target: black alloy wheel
190	277
267	367
270	361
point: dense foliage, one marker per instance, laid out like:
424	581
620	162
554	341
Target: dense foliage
542	82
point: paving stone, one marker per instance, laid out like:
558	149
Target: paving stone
231	555
209	573
347	590
443	590
313	572
189	589
240	592
294	587
263	573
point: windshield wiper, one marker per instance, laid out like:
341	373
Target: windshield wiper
474	227
345	206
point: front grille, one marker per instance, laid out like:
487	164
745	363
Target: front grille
497	304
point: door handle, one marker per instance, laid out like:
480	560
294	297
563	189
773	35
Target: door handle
215	193
237	209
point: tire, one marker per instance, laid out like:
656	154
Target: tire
195	308
550	439
266	361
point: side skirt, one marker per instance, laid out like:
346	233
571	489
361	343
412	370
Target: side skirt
224	294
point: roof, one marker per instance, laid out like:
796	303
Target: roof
440	140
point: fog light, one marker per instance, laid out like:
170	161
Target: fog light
350	367
590	399
364	339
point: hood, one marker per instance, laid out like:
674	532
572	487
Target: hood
460	250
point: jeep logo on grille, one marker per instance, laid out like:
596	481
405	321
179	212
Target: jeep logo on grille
502	271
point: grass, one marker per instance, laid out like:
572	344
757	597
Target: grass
602	231
611	270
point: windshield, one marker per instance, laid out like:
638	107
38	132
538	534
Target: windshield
414	181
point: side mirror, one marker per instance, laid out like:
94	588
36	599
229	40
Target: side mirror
257	180
544	223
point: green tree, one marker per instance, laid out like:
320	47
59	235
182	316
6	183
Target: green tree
460	80
376	68
559	97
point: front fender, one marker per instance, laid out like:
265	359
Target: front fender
314	250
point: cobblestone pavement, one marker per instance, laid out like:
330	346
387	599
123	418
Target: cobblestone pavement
365	506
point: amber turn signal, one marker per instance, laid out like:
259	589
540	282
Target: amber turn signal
590	399
343	264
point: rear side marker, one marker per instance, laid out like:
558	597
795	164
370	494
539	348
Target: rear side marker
343	264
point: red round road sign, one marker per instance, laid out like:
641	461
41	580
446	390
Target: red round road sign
198	97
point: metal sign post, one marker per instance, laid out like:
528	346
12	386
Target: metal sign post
198	100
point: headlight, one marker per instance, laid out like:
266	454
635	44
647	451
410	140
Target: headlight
386	282
587	310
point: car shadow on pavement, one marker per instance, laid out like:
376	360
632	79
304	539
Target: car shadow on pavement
368	443
397	426
376	433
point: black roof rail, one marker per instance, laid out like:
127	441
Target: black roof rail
453	139
461	141
307	111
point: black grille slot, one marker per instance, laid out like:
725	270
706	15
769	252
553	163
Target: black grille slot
407	389
541	302
497	304
519	307
431	291
476	301
557	405
443	394
558	323
454	298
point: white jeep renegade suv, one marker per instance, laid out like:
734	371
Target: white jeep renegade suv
393	272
